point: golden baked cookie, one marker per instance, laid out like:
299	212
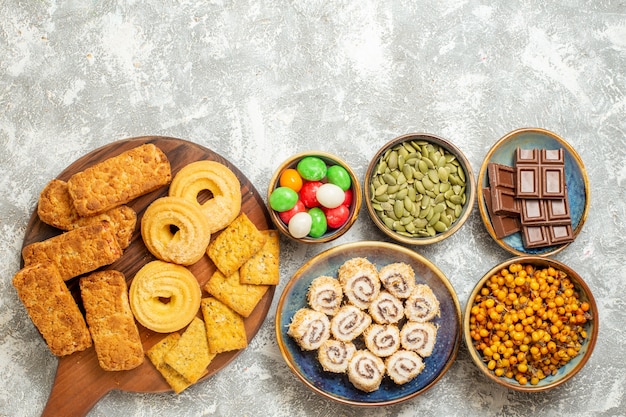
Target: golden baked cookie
164	297
52	309
119	179
216	179
78	251
110	320
175	230
55	207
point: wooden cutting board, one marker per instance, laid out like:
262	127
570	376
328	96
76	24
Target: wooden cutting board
80	382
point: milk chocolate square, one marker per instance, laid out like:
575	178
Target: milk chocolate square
501	175
560	234
528	181
558	211
535	236
552	157
552	181
526	156
503	202
533	212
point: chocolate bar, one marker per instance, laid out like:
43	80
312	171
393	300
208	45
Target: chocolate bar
530	197
503	225
502	186
540	173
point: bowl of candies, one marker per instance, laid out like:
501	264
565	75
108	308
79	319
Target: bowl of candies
314	197
419	188
530	323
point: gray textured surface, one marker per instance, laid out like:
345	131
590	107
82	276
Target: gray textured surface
258	80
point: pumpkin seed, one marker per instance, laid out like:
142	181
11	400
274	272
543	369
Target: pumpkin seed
381	190
389	179
440	227
419	187
392	162
443	174
428	184
434	177
434	219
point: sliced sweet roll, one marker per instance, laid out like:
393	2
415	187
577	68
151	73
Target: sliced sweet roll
360	282
366	371
334	355
382	339
398	278
419	337
349	323
325	295
386	308
422	305
403	366
309	328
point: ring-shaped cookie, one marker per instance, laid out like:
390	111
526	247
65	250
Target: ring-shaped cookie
220	181
164	297
175	230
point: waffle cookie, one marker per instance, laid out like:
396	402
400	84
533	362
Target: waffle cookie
110	320
52	309
76	252
119	179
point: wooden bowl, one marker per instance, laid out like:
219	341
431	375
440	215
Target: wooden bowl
354	207
564	372
394	227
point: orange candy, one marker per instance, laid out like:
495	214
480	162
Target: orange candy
291	178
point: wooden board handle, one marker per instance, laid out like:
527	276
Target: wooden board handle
73	394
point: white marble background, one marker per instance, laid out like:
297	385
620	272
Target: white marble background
258	80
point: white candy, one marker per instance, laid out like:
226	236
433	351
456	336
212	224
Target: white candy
300	224
330	195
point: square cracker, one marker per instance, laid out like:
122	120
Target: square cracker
229	290
190	357
224	327
157	353
263	267
235	245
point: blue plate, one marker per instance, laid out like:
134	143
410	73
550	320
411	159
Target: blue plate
305	365
575	179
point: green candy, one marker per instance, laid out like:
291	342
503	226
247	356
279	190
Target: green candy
283	199
312	168
339	176
319	224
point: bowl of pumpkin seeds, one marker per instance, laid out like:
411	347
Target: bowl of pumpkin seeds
419	189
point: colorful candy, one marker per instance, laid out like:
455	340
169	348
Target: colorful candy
291	178
283	198
338	175
337	216
308	193
313	197
318	222
286	216
312	168
300	224
330	195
